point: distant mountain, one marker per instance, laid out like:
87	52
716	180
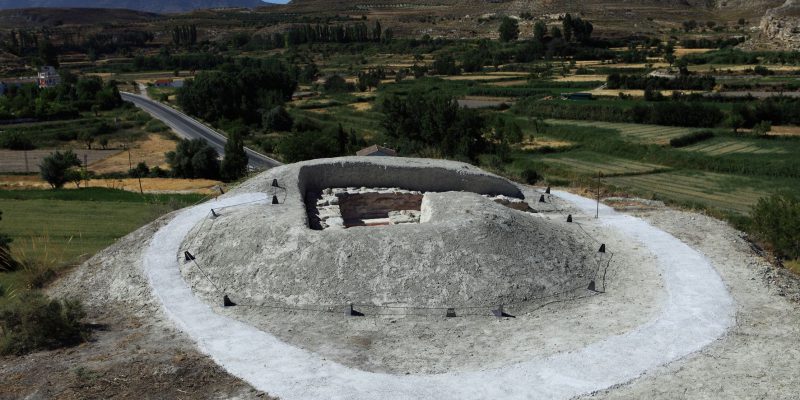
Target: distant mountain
157	6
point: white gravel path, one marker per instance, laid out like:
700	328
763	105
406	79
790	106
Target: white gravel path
697	311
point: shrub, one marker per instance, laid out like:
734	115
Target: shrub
33	322
530	176
775	221
139	171
690	139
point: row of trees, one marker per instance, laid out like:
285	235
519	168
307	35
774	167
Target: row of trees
63	101
352	33
434	121
184	35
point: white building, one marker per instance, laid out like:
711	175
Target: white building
48	77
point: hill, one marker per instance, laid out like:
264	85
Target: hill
156	6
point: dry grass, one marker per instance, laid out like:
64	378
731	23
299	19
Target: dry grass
150	150
149	185
536	144
679	52
365	106
582	78
785	130
519	82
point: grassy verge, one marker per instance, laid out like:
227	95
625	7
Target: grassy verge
54	229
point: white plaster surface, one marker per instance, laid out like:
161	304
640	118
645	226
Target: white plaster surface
697	311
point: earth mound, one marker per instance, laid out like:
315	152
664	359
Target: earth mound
465	244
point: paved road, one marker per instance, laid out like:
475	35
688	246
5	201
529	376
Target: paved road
188	127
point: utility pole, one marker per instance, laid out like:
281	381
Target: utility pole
26	161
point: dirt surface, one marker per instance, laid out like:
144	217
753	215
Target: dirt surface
758	358
150	151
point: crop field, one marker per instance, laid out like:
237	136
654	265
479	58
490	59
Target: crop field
652	134
721	191
726	146
607	166
28	161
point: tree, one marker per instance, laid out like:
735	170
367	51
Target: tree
539	31
445	65
54	168
555	32
194	159
139	171
762	128
278	119
234	165
509	29
433	121
87	137
566	26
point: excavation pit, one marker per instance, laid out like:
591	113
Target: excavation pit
341	208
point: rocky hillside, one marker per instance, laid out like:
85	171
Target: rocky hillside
781	26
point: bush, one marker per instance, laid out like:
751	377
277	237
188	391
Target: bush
139	171
33	322
775	221
530	176
690	139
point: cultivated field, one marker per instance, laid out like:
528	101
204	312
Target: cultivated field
641	133
608	166
28	161
720	191
726	146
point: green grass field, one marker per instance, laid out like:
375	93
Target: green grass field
58	228
608	166
725	146
640	133
721	191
